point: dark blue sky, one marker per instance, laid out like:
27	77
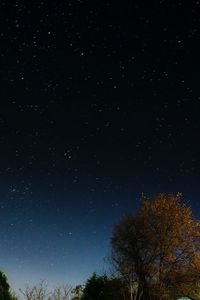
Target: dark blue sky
99	103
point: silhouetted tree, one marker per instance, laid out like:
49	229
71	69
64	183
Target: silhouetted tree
35	292
114	289
94	288
157	251
77	292
61	293
5	293
102	288
40	291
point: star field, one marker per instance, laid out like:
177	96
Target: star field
99	103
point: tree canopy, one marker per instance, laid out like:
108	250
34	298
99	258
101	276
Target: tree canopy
100	287
5	293
157	251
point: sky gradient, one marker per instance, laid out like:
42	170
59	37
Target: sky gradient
100	102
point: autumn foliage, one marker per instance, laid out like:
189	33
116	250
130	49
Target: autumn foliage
157	251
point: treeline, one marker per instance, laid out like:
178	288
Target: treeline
155	255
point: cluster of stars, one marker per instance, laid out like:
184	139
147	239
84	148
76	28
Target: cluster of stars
99	103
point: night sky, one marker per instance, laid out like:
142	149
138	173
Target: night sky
100	102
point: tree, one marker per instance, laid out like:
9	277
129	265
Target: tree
113	289
61	293
157	251
102	288
35	292
77	292
94	288
5	293
40	291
